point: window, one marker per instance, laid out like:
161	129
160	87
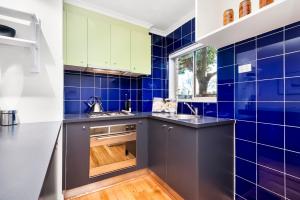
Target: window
196	75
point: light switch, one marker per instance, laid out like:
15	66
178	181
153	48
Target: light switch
245	68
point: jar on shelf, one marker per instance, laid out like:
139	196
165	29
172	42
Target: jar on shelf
263	3
228	16
245	8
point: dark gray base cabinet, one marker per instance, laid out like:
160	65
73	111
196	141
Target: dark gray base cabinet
182	156
76	145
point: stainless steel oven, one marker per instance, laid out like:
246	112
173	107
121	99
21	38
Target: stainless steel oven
112	148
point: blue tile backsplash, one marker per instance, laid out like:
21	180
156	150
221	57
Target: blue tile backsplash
265	103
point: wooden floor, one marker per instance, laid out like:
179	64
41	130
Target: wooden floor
141	188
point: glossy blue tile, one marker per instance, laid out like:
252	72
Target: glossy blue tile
86	93
292	138
210	109
113	81
193	24
87	80
270	90
226	57
246	76
157	51
72	93
177	34
292	39
245	53
113	105
226	110
125	83
292	163
245	130
270	32
245	111
147	106
263	194
156	73
226	92
292	89
133	95
72	79
246	170
245	189
292	25
226	75
186	40
72	107
157	40
169	39
292	113
270	68
157	83
147	83
146	95
245	91
113	94
85	108
103	81
186	28
270	45
270	112
292	64
245	150
266	178
272	135
292	187
157	62
103	93
270	157
177	45
157	93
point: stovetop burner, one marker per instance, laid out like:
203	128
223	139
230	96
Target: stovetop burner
109	114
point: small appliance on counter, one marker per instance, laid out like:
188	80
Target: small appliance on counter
164	105
8	117
7	31
95	104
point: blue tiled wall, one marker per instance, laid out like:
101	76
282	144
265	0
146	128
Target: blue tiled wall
266	104
79	86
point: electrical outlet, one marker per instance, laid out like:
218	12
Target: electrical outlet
245	68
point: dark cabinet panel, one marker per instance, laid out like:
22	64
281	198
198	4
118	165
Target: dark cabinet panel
157	148
77	155
142	144
182	160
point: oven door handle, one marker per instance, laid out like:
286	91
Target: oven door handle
116	139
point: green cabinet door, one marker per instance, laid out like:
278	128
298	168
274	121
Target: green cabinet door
98	43
120	47
64	36
140	52
76	39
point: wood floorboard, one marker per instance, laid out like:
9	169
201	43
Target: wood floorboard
141	188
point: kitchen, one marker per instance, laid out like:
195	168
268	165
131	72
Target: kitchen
149	100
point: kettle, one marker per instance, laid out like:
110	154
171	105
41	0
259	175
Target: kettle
95	104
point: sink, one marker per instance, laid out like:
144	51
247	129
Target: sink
185	117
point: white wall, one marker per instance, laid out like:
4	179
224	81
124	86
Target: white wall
37	97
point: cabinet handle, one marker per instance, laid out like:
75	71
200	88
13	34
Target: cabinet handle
164	126
140	122
170	128
83	127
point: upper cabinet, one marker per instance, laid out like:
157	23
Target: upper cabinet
100	42
76	39
211	31
120	47
140	51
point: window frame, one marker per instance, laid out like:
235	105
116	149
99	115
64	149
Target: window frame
173	75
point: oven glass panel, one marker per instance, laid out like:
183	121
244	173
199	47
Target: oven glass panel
112	148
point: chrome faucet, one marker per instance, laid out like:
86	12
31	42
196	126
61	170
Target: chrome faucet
194	110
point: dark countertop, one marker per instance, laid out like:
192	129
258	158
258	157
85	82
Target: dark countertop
25	154
195	123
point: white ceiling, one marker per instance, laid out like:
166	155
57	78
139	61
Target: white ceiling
161	15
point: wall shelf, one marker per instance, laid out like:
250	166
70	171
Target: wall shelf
23	21
276	15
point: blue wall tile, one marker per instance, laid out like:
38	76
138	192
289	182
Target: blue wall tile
72	93
292	138
270	90
245	53
245	130
292	89
292	115
292	187
87	80
246	150
245	111
245	189
210	109
272	135
226	57
270	112
292	39
245	91
226	74
270	45
270	157
226	110
246	76
226	92
270	68
292	64
263	194
292	163
246	170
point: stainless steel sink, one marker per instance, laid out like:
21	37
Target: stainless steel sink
185	116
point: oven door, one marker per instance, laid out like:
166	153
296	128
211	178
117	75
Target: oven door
112	148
